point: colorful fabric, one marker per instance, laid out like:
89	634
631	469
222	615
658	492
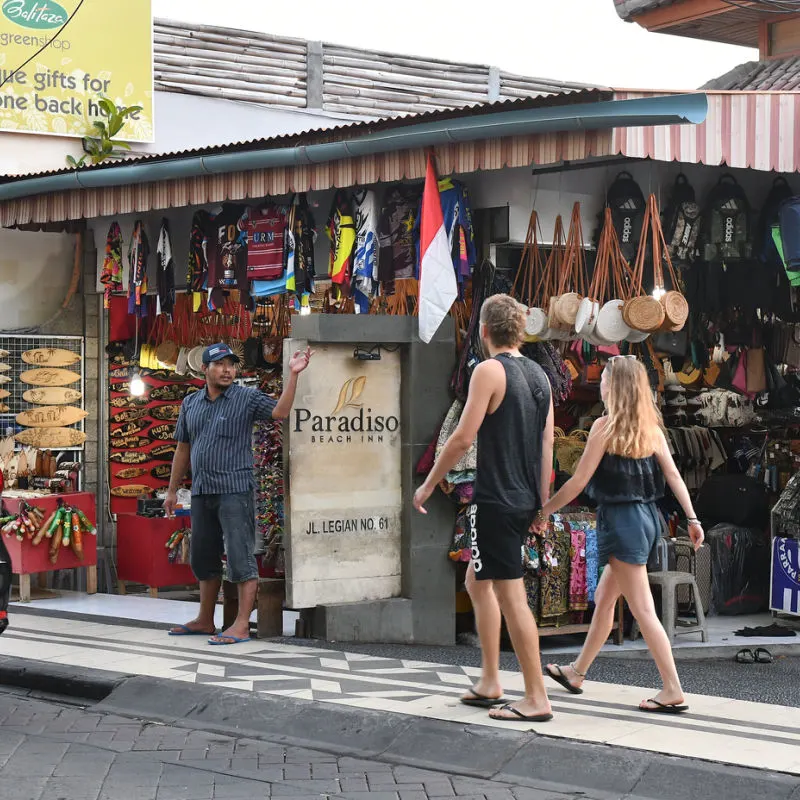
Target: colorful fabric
592	561
578	592
197	266
111	276
305	235
265	230
365	265
396	233
227	258
555	574
341	230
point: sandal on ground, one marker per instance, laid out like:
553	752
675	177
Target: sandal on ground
745	656
481	700
762	656
518	716
558	676
664	708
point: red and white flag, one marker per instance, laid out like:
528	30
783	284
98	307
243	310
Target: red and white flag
437	279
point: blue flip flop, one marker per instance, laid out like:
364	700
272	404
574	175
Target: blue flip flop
185	630
234	640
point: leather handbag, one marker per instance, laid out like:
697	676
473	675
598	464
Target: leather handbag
672	344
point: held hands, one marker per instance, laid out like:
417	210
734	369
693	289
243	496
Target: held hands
299	361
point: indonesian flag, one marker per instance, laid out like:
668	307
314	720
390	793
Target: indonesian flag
437	279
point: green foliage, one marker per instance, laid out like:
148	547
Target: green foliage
103	146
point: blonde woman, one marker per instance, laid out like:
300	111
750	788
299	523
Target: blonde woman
624	465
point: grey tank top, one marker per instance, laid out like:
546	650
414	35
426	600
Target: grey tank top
510	440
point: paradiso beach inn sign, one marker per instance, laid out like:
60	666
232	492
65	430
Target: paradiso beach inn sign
344	479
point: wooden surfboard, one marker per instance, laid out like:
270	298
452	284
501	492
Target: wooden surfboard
132	490
173	392
166	376
163	452
128	442
5	367
163	433
4	378
50	377
130	428
131	415
131	472
4	409
128	402
51	438
167	413
51	416
50	357
129	457
5	393
161	472
52	396
120	372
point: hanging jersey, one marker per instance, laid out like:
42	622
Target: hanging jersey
111	276
138	254
227	258
365	268
305	235
266	231
341	230
396	229
165	280
197	267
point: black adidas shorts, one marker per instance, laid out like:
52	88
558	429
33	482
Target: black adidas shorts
497	539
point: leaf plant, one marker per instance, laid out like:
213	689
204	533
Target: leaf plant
103	146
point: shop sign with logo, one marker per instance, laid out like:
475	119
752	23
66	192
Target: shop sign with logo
344	502
58	59
785	593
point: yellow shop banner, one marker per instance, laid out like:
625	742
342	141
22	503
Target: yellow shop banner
57	59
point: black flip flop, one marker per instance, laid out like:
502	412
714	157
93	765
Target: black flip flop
481	701
762	656
745	656
560	677
520	717
664	708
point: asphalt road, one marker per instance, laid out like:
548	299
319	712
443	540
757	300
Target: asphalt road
777	683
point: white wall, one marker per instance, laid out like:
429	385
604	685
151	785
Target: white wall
182	122
35	273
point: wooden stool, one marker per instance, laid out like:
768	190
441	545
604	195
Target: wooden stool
269	605
669	583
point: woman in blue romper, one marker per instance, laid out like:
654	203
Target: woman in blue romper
624	467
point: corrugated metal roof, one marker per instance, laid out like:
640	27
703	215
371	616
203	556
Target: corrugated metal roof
293	73
776	74
349	130
627	9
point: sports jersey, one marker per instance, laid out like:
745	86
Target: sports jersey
365	264
304	236
165	280
396	232
265	230
227	254
138	253
341	230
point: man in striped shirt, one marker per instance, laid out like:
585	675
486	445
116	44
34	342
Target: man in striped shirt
214	435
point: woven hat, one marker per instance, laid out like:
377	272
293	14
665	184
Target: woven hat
195	360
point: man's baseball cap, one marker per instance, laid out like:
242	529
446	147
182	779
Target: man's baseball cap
214	352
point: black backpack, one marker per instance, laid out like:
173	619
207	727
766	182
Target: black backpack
627	204
728	229
682	222
770	215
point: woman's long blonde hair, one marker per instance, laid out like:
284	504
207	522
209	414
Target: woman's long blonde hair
634	420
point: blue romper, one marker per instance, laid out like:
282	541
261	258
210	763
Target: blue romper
626	490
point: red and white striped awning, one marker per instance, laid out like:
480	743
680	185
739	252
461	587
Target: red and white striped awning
756	130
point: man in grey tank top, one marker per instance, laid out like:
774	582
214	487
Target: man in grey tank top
509	409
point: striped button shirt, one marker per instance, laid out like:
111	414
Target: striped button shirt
220	434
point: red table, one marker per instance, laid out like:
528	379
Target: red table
142	554
27	559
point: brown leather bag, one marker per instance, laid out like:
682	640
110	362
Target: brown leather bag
756	371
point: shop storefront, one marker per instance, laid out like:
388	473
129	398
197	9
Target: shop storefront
334	484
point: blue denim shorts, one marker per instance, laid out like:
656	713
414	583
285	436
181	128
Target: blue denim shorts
224	524
627	531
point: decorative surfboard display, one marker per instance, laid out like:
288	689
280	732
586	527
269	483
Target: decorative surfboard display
50	357
52	396
4	409
51	438
130	428
123	388
130	472
130	415
50	377
162	433
163	452
120	372
4	393
128	442
51	416
5	367
4	378
161	472
129	457
174	392
128	402
131	490
166	377
167	413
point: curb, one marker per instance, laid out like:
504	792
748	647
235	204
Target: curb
523	758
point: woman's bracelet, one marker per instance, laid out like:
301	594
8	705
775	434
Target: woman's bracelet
693	521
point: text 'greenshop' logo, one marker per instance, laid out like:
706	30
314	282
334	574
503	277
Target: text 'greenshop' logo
35	13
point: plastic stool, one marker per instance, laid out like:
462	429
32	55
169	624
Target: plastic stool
669	583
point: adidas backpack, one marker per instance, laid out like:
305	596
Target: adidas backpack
682	221
729	237
627	204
